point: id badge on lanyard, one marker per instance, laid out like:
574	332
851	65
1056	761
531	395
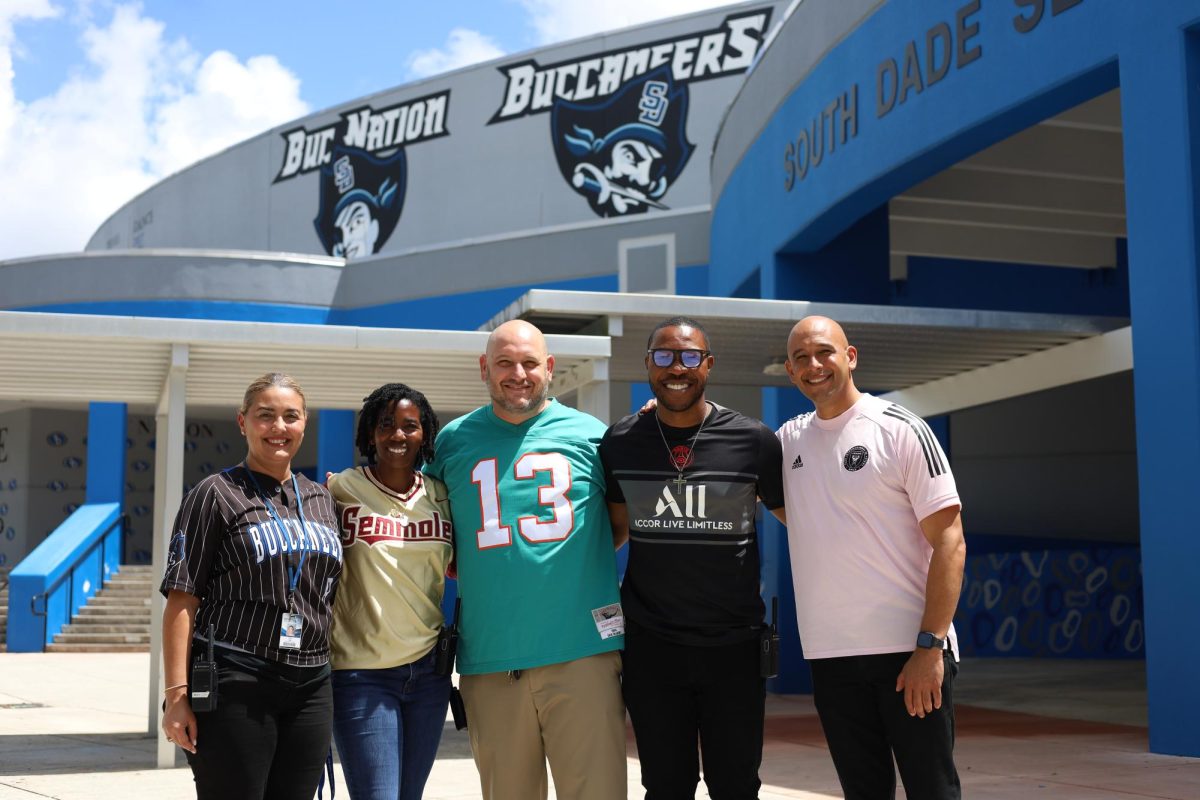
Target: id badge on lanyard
291	622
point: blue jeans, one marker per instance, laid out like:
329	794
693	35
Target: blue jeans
387	724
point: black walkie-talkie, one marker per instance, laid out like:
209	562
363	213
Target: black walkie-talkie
768	644
204	679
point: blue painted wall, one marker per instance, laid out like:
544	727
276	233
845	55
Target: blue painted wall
196	309
1004	80
1009	81
1160	107
335	440
1062	602
985	285
464	311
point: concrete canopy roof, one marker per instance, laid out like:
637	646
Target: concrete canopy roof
77	358
898	347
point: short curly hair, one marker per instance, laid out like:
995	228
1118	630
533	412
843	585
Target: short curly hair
376	404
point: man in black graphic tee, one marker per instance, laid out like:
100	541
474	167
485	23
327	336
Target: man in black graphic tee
683	485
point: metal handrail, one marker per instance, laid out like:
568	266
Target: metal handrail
123	521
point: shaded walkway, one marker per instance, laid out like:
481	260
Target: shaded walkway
72	727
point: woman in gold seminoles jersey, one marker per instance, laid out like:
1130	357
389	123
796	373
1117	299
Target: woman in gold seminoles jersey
389	706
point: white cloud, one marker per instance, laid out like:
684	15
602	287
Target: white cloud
228	102
463	48
557	20
143	106
10	12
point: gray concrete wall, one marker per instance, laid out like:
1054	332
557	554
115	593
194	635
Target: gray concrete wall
14	486
1059	463
484	166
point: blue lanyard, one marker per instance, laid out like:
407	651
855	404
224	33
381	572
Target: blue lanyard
293	570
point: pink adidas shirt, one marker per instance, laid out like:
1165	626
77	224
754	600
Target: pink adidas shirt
857	487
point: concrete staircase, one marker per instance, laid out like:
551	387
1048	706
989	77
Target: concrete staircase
115	620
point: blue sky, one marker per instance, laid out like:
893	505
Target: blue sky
99	99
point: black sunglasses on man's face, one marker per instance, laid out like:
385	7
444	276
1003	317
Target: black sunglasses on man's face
664	357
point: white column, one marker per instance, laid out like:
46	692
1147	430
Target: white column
593	393
169	423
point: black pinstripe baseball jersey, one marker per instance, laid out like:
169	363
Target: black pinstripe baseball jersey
229	551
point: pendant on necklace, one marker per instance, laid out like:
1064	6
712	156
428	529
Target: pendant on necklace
679	482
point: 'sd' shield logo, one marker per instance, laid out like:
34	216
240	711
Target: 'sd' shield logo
361	199
623	152
856	458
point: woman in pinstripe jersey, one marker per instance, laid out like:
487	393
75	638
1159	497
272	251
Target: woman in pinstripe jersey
254	550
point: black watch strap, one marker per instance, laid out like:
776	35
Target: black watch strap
929	641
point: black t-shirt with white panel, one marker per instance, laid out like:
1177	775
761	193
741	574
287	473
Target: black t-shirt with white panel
693	574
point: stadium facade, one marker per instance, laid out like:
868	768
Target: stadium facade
998	197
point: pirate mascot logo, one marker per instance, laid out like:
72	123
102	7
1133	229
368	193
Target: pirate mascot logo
363	169
623	152
360	203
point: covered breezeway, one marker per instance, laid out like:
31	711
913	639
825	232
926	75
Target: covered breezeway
934	360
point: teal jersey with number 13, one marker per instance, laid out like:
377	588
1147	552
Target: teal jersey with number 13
536	568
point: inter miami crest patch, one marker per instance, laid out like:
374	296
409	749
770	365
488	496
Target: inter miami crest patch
360	203
624	151
856	458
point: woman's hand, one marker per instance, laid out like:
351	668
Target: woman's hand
179	620
179	723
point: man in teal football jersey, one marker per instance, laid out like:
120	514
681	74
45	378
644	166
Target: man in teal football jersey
541	622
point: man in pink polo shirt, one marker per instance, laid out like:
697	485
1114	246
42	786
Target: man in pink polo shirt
877	555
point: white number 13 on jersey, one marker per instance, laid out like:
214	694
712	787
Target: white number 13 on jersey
532	528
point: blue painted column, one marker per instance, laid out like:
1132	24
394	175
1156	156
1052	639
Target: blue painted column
107	431
853	268
106	449
778	406
335	442
1160	109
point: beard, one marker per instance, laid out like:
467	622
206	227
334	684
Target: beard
522	406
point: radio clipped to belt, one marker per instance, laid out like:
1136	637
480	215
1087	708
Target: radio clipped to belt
447	644
768	644
204	679
443	664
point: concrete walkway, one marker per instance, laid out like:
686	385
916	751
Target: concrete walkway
73	727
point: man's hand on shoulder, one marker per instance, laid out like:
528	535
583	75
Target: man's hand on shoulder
921	681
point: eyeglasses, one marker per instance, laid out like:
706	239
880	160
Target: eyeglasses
663	357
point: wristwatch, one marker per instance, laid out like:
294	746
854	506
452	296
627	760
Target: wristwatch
929	641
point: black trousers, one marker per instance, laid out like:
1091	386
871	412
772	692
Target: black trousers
267	738
676	693
866	724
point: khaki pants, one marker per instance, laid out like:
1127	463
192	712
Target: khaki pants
570	714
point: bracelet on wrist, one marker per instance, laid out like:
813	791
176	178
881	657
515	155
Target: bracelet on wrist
176	686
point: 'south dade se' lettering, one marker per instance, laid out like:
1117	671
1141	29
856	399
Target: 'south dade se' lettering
729	48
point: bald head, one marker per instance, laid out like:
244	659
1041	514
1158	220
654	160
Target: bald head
517	370
821	363
516	332
818	326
